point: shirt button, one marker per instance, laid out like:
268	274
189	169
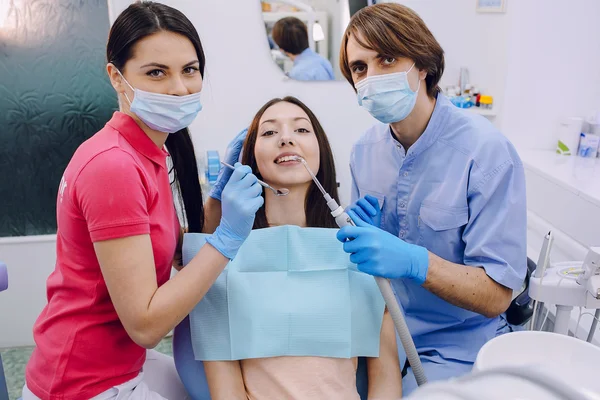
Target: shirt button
406	174
402	205
402	234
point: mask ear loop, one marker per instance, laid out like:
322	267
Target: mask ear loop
131	87
418	87
419	80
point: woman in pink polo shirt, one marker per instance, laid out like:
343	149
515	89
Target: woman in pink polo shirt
110	297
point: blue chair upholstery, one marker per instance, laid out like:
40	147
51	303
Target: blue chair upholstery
3	287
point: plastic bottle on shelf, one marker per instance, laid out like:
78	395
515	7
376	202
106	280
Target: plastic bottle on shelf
213	166
589	141
463	79
467	91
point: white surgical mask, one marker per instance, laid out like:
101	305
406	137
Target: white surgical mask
163	112
387	97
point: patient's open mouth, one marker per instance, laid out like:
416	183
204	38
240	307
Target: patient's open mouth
288	159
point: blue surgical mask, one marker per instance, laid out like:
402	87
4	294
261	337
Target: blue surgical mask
387	97
163	112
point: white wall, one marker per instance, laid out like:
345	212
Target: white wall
553	69
473	40
540	59
29	260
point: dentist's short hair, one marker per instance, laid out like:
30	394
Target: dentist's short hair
291	35
394	30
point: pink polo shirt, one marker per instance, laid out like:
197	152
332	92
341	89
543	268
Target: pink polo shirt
115	186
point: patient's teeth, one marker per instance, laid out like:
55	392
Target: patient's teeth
287	158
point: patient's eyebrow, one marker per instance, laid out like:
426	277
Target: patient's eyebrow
268	120
274	120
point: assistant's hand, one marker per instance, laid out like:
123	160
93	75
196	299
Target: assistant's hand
379	253
367	208
240	200
232	155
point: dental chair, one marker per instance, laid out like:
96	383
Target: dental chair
521	308
3	287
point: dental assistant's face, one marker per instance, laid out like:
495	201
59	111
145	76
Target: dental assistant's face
284	131
164	62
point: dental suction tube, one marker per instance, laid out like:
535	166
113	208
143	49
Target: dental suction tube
343	219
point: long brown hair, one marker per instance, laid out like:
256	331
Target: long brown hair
317	212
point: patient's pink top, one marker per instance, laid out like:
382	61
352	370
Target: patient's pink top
300	378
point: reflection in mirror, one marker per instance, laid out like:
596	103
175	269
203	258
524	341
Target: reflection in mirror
305	35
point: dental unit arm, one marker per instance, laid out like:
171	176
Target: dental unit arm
566	285
343	219
590	277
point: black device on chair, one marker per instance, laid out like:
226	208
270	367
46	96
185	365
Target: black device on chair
521	308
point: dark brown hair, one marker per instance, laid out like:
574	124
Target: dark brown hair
317	212
394	30
291	35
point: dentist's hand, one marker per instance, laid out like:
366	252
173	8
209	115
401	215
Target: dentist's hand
367	208
241	199
379	253
232	155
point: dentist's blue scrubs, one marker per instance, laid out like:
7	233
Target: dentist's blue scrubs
310	66
459	191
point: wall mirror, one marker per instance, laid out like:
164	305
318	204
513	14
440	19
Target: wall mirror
305	35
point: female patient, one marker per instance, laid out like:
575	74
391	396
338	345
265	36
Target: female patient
281	129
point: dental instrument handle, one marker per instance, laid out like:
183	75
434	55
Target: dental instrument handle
343	219
385	287
402	328
261	183
314	178
539	272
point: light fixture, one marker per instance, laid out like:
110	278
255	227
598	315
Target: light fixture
317	32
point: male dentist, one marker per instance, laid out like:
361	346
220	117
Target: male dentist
438	192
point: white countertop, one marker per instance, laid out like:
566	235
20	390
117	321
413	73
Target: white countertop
579	175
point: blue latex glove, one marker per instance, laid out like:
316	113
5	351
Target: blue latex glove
240	200
377	252
367	208
232	155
